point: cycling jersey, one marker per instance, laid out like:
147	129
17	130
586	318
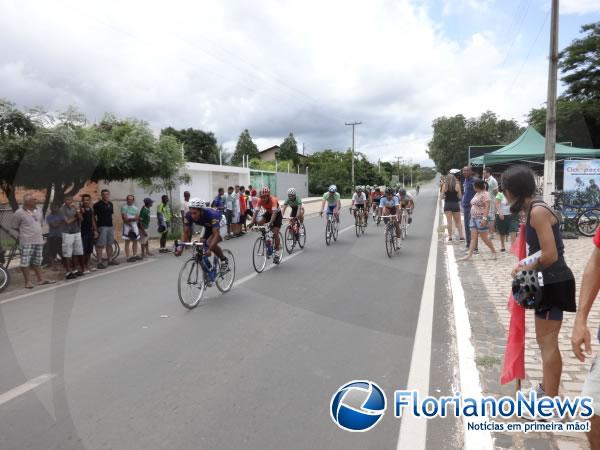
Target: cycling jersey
384	202
359	199
294	203
405	199
270	205
331	199
210	219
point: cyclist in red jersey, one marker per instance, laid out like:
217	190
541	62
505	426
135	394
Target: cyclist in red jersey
272	216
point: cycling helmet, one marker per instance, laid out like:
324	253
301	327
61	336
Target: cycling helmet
389	191
402	191
526	289
332	188
265	191
292	191
359	188
197	203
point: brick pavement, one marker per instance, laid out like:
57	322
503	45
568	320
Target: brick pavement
487	284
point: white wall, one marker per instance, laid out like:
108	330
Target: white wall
287	180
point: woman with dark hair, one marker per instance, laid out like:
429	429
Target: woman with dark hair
542	232
478	223
452	194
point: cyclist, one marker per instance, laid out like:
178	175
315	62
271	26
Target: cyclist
367	191
272	216
418	188
200	214
332	197
406	201
375	199
359	201
389	205
294	201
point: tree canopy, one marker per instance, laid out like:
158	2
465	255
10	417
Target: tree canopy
245	146
288	150
199	146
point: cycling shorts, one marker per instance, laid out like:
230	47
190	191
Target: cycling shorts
361	206
330	209
278	218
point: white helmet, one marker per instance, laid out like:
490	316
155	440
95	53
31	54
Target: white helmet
197	203
292	191
332	188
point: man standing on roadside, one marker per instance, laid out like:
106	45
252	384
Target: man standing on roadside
145	226
229	201
164	216
103	212
28	222
468	194
492	184
72	246
185	206
581	340
88	230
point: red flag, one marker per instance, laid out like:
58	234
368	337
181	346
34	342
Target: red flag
514	353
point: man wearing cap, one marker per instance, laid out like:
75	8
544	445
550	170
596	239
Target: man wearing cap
144	226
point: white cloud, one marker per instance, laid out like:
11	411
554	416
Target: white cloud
579	6
270	66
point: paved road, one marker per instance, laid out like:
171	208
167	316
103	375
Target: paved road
252	369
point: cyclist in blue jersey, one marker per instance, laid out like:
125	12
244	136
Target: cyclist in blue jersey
390	205
200	214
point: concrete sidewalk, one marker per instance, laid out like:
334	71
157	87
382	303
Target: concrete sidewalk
487	284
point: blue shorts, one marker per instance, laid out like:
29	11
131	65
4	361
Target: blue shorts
330	209
478	224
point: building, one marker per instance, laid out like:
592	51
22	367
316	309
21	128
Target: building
272	153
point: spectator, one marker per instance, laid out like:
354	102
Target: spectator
72	245
243	208
253	199
131	233
164	216
236	226
88	231
468	193
479	216
542	232
581	340
507	223
492	188
452	194
219	201
144	225
55	223
229	201
28	221
103	214
185	205
249	208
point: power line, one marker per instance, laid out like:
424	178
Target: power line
516	32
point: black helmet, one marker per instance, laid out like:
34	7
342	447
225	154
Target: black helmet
402	191
526	289
389	191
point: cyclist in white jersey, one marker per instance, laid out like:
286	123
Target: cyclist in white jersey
359	201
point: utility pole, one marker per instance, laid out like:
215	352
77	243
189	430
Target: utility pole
550	148
353	124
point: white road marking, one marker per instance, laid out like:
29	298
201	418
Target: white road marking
51	287
413	430
470	385
25	387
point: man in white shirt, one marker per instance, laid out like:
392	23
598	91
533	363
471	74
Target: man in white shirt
492	191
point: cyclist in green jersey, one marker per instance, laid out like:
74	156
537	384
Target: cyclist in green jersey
334	204
294	201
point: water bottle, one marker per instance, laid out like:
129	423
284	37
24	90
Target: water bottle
531	259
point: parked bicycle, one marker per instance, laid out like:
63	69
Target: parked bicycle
264	250
295	234
201	271
585	219
116	248
360	220
332	228
391	238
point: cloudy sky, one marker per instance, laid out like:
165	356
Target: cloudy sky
275	66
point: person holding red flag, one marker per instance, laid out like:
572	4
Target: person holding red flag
542	233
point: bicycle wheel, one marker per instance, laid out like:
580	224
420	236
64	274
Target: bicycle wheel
225	280
328	232
4	278
301	235
335	229
403	228
290	239
280	248
357	227
259	254
116	249
389	241
190	285
588	221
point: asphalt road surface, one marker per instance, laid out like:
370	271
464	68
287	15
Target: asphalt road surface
115	362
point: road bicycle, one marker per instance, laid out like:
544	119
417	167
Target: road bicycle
116	248
332	228
295	234
360	221
391	240
403	223
263	248
200	271
585	219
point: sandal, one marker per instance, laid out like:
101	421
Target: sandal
29	286
44	282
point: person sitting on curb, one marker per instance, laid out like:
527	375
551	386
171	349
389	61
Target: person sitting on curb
581	338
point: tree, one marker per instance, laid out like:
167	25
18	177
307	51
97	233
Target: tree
452	136
580	64
245	146
288	150
199	146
